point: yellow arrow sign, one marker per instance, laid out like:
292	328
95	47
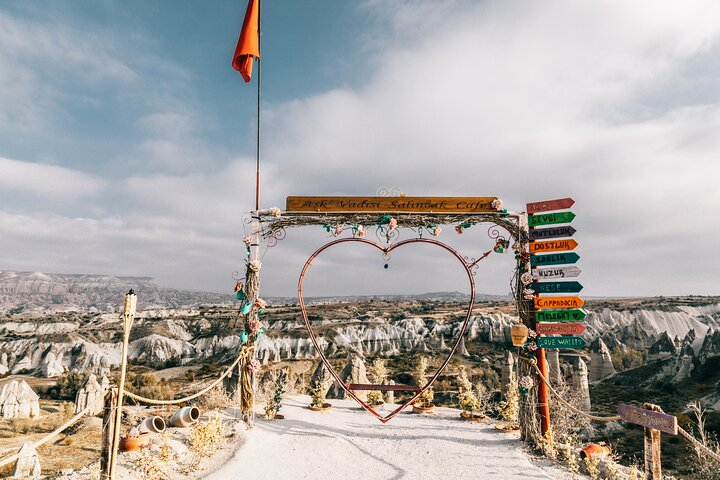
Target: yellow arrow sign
553	246
559	302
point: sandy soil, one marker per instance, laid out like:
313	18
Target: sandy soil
347	442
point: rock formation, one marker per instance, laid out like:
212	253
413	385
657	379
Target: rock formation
506	369
580	384
553	360
601	365
17	400
92	394
28	463
354	372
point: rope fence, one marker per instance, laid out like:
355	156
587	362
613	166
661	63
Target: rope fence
49	436
688	436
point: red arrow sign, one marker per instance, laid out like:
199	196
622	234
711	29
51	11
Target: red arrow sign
559	328
549	205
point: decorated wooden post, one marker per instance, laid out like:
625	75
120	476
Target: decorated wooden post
128	318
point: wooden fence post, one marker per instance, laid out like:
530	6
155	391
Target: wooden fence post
653	469
108	429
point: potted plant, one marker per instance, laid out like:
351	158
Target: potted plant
272	407
379	373
470	403
424	403
317	397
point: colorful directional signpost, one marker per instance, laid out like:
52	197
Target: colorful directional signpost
558	316
570	315
570	328
554	259
561	342
550	218
552	232
556	272
557	287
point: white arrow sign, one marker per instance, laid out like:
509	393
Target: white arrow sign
569	271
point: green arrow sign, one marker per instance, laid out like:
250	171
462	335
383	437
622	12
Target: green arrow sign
550	218
557	287
554	259
572	315
561	342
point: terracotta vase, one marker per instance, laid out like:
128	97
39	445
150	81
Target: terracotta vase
152	424
129	444
423	407
595	451
320	408
184	417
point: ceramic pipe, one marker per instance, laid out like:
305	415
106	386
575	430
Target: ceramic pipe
184	417
152	424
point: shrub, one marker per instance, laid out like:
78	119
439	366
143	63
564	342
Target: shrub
419	376
272	407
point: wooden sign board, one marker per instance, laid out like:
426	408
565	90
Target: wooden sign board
390	204
549	205
649	419
559	328
561	342
553	246
556	287
552	232
558	302
572	315
556	272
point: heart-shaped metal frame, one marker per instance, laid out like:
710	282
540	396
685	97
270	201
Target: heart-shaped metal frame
386	251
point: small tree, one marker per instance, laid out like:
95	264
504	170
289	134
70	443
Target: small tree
272	407
510	407
468	400
379	373
419	376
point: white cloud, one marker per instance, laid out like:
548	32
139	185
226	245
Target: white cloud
47	182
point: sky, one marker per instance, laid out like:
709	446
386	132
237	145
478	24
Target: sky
127	142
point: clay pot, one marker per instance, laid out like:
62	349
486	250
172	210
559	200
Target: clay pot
320	408
594	451
129	444
152	424
472	417
519	334
184	417
423	407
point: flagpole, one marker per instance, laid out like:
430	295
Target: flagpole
257	145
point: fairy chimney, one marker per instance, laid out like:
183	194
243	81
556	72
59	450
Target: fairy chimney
354	372
90	395
580	384
507	369
17	400
601	365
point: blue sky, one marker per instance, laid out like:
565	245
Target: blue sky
127	140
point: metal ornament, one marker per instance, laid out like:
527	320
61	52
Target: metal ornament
386	250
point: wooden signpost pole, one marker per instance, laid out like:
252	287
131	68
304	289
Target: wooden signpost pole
543	395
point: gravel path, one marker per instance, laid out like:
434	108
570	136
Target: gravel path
348	443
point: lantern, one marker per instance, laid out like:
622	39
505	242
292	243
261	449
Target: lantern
519	334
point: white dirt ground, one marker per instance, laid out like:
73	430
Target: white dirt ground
349	443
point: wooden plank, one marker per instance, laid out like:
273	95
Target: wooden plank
556	272
554	259
108	427
383	387
561	342
559	328
553	246
556	287
558	302
550	218
648	418
549	205
572	315
391	204
552	232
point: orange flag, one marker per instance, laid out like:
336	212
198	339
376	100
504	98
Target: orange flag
248	45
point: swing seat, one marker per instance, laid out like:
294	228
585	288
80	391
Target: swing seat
383	388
